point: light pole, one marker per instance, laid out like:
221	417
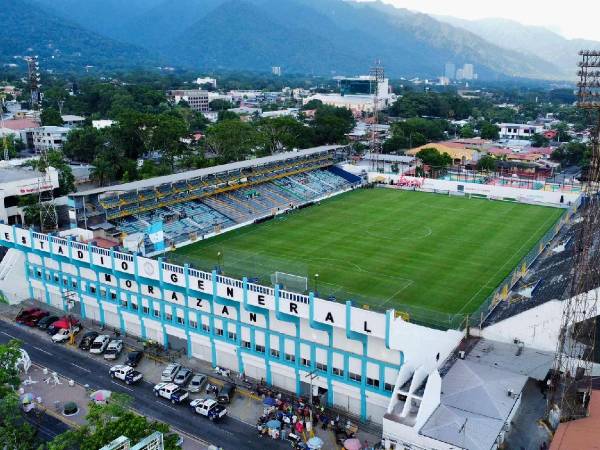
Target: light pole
220	261
316	284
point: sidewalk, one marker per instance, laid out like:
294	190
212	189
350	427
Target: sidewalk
51	397
245	406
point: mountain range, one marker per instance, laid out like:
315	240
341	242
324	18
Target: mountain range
321	37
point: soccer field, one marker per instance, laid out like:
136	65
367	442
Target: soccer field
386	248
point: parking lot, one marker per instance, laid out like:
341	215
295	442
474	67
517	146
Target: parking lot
244	409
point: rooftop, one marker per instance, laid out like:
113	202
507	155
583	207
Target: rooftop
151	182
582	433
20	124
11	174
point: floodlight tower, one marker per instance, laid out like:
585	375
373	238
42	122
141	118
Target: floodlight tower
47	208
571	389
377	75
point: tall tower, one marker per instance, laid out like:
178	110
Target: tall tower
377	75
48	215
571	389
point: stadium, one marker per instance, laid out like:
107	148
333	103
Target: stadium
307	266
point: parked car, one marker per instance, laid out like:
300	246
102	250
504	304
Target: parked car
45	322
209	408
183	376
226	393
32	319
169	373
197	382
87	340
171	392
100	344
63	334
125	373
25	313
134	358
113	349
63	322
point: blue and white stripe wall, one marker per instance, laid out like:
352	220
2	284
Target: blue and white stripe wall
266	333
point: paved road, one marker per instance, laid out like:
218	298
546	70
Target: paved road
229	434
48	427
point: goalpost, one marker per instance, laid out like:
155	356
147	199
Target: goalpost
289	282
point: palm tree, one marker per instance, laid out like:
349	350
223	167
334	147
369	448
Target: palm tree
103	171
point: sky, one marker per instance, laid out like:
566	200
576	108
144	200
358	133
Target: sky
572	19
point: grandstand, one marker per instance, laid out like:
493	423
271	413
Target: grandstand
197	204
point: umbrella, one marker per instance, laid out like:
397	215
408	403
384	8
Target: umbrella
352	444
315	443
101	396
273	424
269	401
27	398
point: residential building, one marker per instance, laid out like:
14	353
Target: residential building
276	70
71	121
196	98
48	137
519	130
102	123
153	442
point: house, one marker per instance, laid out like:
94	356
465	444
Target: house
519	130
49	137
71	121
550	134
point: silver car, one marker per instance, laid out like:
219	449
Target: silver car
170	371
197	382
183	376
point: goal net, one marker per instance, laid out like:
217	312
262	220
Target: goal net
289	282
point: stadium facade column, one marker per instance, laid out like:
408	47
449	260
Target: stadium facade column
44	271
363	339
296	321
140	300
82	309
119	309
211	318
329	330
186	315
256	310
27	262
225	302
162	304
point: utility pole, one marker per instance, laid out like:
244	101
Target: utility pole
377	76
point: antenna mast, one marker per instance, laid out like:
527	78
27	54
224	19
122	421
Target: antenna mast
377	75
571	390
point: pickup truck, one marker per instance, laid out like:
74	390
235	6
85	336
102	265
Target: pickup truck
170	391
209	408
125	373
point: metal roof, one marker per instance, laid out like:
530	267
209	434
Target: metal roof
151	182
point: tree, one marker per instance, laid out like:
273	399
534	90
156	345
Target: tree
231	140
51	116
104	170
31	210
84	144
15	432
227	115
432	157
13	144
284	133
107	422
539	140
467	132
488	130
487	162
219	104
572	153
562	130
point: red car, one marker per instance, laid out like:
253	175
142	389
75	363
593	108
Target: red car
25	313
64	322
33	319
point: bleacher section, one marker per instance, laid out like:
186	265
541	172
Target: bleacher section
551	275
191	220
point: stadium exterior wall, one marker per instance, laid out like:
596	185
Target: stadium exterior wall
533	196
260	331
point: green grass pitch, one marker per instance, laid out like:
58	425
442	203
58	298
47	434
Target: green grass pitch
386	248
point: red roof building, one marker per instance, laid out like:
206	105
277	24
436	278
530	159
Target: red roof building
582	434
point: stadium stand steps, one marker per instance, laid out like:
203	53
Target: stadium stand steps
349	177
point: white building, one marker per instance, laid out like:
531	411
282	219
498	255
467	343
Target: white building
102	123
196	98
519	130
49	137
355	103
71	121
16	182
206	80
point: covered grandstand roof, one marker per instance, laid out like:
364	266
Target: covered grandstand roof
143	184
